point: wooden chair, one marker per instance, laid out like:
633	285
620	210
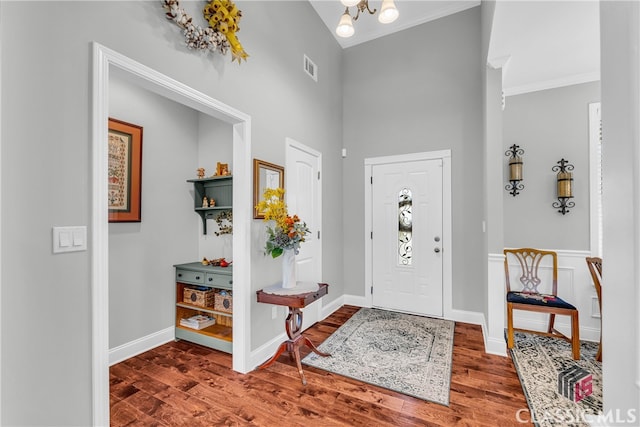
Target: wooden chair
530	299
595	268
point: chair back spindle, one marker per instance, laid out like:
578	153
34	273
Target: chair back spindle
529	261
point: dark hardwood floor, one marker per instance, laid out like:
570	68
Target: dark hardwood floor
184	384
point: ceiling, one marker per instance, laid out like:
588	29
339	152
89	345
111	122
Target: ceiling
539	44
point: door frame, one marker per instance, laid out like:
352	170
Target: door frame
105	62
445	156
292	144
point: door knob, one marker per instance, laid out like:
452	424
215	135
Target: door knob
437	238
436	250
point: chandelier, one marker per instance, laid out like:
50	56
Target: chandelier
388	13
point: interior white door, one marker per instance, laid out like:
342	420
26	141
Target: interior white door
304	198
407	237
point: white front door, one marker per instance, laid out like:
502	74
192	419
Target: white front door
304	197
407	239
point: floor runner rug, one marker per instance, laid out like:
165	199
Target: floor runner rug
539	361
401	352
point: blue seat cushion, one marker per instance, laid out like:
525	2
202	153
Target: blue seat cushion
543	300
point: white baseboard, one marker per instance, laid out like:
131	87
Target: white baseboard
358	301
495	346
464	316
268	349
135	347
329	309
265	351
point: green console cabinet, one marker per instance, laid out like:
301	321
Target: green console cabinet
208	291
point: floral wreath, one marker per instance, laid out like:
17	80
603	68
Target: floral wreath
223	17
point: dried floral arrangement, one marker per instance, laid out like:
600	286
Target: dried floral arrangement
223	18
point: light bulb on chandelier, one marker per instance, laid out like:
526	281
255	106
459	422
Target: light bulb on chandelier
388	13
345	26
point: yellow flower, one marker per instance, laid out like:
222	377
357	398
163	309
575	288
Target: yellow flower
288	231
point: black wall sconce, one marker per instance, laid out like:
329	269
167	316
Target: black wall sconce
515	170
565	186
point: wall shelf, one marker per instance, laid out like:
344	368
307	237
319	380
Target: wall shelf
218	188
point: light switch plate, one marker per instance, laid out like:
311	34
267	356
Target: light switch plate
69	239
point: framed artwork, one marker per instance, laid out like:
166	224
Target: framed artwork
265	175
125	171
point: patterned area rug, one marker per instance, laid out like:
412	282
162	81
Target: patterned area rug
405	353
539	360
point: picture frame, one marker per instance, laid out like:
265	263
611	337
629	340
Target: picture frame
125	171
265	175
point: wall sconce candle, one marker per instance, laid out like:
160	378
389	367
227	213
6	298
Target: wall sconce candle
515	170
564	181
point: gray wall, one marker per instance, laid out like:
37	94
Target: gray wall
46	157
424	96
549	125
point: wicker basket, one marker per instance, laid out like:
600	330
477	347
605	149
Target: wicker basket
223	303
201	298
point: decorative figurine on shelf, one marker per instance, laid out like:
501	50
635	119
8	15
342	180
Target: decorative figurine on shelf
205	202
205	261
200	173
212	202
222	169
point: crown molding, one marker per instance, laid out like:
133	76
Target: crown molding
552	84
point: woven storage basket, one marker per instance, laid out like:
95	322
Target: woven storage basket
202	298
223	303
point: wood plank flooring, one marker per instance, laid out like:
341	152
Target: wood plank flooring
184	384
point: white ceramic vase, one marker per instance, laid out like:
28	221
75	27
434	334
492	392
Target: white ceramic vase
288	269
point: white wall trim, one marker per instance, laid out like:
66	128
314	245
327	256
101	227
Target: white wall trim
494	342
105	61
551	84
595	200
447	269
135	347
100	240
464	316
357	300
328	309
266	350
0	229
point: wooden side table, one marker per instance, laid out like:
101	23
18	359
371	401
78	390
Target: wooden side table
293	324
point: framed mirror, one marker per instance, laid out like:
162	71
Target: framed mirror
265	175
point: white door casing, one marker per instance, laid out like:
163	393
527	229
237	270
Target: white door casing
106	61
407	260
303	195
445	244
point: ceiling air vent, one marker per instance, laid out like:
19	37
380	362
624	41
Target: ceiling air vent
310	68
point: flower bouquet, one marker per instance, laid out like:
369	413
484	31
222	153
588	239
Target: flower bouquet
287	231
